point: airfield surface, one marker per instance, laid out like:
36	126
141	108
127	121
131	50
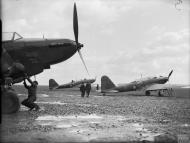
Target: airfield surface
66	117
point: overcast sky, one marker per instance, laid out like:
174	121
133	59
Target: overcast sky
123	39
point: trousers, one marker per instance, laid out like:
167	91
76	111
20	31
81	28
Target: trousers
29	102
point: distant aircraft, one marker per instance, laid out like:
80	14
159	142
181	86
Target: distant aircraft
21	56
54	85
146	84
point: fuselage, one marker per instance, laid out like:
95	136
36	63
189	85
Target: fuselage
76	83
139	84
38	54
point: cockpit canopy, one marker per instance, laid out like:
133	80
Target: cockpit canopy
7	36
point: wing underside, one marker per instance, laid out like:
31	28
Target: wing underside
156	87
109	91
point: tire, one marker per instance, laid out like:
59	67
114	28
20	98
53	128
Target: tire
147	93
10	102
159	94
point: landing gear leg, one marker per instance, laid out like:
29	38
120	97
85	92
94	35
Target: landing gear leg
159	93
147	93
169	91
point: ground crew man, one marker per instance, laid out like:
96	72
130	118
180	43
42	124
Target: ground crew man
88	89
29	102
82	89
97	87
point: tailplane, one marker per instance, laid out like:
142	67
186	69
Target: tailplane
53	84
106	83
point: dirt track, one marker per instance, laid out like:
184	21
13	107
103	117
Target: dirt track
66	117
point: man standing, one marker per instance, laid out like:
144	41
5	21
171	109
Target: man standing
88	89
29	102
97	87
82	89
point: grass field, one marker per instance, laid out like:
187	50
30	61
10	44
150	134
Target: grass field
66	117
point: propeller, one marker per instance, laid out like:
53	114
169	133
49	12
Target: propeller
75	28
170	74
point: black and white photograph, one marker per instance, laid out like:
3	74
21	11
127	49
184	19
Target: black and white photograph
95	71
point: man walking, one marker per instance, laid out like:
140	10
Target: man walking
82	90
29	102
88	89
97	87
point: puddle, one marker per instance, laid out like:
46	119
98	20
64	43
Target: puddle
144	133
62	103
44	95
149	136
185	125
98	96
64	118
165	121
71	95
86	105
139	127
76	95
24	108
98	126
56	102
67	121
20	94
92	116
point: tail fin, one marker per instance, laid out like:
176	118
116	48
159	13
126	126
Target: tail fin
106	83
53	84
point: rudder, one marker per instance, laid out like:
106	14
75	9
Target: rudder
106	83
53	84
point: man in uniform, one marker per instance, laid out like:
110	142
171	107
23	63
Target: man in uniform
29	102
88	89
97	87
82	89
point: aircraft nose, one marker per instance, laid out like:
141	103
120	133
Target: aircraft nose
165	79
79	46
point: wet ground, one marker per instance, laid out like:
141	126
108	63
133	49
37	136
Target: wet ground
66	117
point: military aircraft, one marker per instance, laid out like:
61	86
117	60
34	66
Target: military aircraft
23	56
54	85
148	85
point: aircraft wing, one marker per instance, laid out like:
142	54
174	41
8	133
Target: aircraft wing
68	85
109	91
31	60
156	87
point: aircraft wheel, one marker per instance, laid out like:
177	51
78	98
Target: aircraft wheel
159	93
10	102
147	93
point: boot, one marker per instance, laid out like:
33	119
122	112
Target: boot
37	108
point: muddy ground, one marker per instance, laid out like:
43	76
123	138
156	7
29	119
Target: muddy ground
66	117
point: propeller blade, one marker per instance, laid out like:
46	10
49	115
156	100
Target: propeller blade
80	54
75	24
170	74
76	33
